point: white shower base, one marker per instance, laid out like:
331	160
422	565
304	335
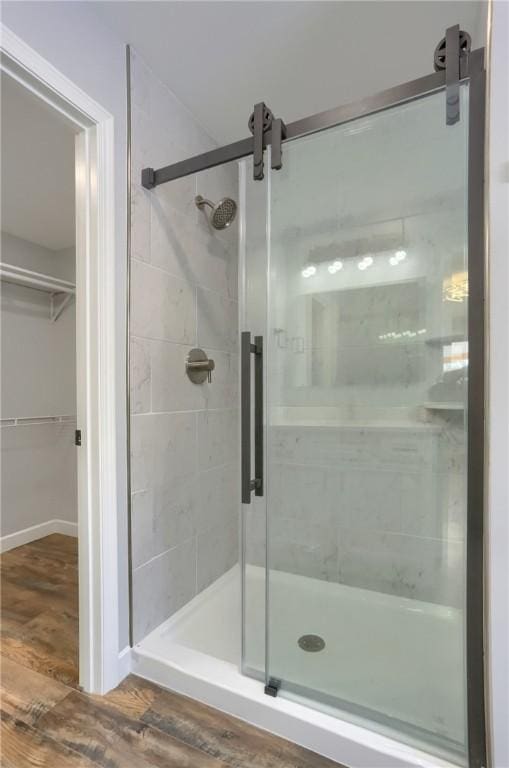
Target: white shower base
397	656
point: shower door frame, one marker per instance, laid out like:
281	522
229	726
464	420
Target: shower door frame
475	619
473	72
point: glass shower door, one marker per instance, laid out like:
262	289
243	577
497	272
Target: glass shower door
366	356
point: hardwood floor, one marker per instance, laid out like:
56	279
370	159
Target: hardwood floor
40	606
47	722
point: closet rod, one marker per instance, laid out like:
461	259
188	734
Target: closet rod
54	286
10	273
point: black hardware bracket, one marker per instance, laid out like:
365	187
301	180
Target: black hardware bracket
261	123
278	134
77	437
470	64
272	687
148	178
452	55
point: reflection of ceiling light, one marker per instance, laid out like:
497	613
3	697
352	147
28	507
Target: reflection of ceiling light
309	271
398	256
335	267
366	262
455	287
393	335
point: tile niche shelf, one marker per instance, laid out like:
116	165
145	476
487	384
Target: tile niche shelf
60	291
439	341
431	406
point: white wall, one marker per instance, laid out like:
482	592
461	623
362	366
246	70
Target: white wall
76	41
28	255
498	536
38	356
37	379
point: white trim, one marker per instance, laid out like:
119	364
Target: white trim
498	413
43	79
100	669
25	536
125	661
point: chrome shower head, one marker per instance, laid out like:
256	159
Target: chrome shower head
223	212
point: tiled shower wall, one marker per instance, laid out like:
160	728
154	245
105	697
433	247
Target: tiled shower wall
365	487
184	437
391	511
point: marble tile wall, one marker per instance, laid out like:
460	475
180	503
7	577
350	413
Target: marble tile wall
184	437
380	509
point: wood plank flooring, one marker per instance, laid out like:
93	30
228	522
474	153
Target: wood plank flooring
47	722
40	606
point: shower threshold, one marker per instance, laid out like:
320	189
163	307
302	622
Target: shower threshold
197	653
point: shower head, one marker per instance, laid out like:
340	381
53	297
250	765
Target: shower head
223	212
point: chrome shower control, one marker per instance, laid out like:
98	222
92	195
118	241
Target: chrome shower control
199	367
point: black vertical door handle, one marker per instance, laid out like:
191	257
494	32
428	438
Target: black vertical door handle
248	484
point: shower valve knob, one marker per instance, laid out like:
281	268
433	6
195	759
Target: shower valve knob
199	367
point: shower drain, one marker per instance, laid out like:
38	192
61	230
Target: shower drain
312	643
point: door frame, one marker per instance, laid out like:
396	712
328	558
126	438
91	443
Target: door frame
99	666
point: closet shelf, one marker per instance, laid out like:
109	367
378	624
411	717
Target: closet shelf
18	421
57	288
445	406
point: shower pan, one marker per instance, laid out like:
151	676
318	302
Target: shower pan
353	621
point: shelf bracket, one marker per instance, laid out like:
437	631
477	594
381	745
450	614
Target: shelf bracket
56	310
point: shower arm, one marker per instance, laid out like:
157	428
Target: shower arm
201	201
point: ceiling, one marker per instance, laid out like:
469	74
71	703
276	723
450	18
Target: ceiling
219	58
37	148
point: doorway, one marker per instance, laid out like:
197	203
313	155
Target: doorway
38	404
93	289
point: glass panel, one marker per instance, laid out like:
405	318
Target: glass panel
253	318
367	363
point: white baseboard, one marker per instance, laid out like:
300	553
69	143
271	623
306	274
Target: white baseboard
124	662
35	532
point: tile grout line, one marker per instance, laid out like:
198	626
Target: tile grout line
186	281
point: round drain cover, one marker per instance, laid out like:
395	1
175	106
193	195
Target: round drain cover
312	643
